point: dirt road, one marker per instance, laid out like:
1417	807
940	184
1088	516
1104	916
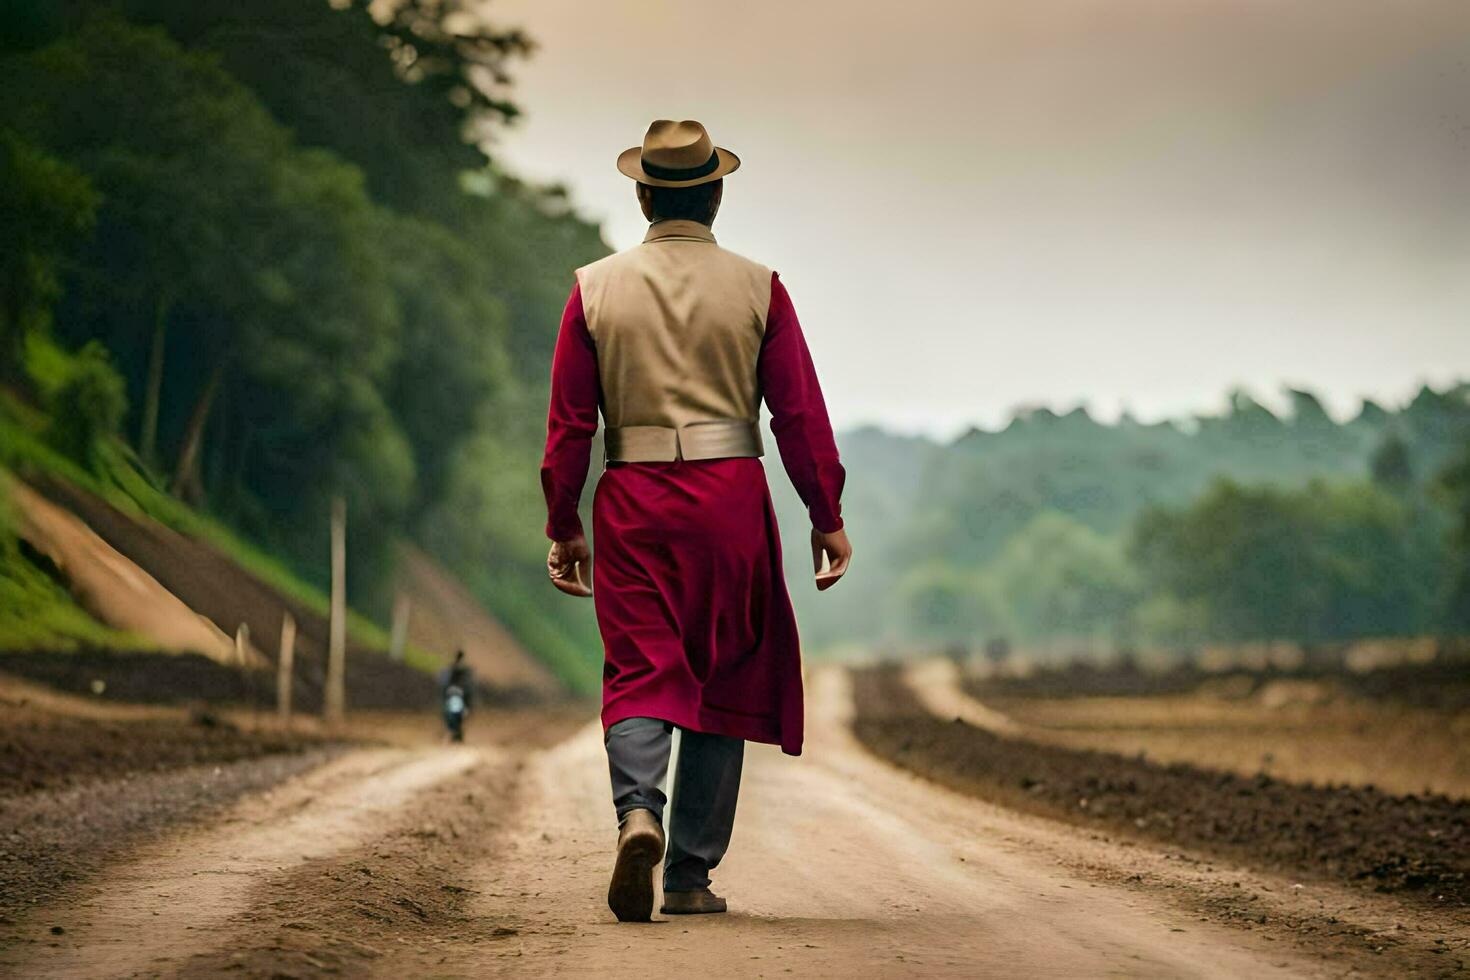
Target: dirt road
840	867
492	862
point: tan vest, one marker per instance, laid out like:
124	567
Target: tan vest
678	323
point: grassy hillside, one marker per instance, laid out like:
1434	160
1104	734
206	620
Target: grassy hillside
40	614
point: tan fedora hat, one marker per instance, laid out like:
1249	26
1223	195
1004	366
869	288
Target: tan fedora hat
677	154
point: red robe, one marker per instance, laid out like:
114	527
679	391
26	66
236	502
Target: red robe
696	623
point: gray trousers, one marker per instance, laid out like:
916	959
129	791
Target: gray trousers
706	785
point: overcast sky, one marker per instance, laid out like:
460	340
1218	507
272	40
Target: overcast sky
1117	203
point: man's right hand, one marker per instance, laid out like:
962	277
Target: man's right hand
834	545
565	564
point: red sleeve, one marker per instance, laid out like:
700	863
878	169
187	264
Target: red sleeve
571	421
798	414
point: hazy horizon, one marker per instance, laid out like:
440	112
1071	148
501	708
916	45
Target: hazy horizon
1133	205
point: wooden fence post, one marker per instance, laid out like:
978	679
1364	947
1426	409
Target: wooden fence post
402	609
284	661
335	700
242	664
242	645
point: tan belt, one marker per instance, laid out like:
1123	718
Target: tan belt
718	439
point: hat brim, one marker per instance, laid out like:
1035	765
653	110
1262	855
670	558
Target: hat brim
630	162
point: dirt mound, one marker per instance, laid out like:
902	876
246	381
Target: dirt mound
1281	693
333	916
1441	683
111	588
444	617
1417	844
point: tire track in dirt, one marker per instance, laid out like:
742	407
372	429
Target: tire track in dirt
936	683
180	896
405	890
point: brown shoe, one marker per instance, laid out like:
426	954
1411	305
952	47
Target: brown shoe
640	848
692	903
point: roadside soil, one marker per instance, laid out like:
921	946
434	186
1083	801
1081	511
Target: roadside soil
1415	845
1403	728
1397	748
84	780
53	838
1442	684
51	742
152	910
140	677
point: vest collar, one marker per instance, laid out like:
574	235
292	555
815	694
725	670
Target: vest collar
679	228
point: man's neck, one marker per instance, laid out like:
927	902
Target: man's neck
682	228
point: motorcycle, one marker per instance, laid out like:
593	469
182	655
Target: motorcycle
455	708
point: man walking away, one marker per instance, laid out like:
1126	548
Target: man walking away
678	341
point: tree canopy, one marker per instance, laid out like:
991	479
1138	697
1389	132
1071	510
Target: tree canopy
1244	525
281	222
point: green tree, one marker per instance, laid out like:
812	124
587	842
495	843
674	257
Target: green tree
260	267
1059	578
947	604
87	408
453	360
1391	465
1326	562
185	156
1454	485
406	89
46	208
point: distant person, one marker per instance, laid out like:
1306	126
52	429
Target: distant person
456	690
678	340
